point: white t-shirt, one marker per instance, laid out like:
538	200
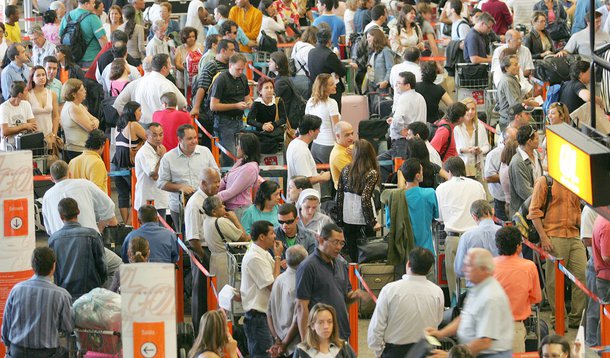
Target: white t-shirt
324	110
146	188
14	116
300	53
300	161
192	19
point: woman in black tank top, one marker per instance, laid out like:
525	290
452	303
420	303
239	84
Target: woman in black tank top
130	136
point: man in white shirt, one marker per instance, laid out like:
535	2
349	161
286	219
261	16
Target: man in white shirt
405	308
16	116
526	63
147	162
96	207
148	90
411	64
492	173
259	271
197	17
454	211
41	47
298	157
180	170
158	44
379	16
194	217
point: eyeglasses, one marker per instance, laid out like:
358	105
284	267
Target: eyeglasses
287	222
339	243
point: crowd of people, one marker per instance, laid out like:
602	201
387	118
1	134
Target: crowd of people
140	79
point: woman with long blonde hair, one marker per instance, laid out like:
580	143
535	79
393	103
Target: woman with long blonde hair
213	339
558	113
471	140
322	105
322	336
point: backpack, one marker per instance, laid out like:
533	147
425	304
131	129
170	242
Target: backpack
72	35
360	51
267	43
525	226
297	107
552	95
555	70
433	127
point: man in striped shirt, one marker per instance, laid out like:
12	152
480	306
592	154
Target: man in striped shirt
36	311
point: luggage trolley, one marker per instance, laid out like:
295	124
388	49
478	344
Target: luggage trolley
471	81
97	343
235	253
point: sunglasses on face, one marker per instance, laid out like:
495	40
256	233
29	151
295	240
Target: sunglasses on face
287	222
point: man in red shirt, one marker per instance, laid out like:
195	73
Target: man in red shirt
170	119
500	12
519	278
443	140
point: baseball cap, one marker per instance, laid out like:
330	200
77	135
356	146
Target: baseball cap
519	108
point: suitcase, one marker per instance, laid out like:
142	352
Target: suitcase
373	130
114	236
376	276
354	109
536	329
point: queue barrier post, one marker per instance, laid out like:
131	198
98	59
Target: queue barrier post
559	299
215	151
604	326
134	210
180	285
212	300
106	158
353	309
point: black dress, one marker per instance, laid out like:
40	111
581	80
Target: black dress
259	114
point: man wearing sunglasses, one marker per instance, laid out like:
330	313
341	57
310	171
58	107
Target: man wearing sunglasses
289	234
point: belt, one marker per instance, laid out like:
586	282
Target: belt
391	345
22	350
453	233
256	313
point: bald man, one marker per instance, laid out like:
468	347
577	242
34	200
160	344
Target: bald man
194	235
486	322
526	63
492	173
341	155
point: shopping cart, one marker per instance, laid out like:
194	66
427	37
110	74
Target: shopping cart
98	343
471	80
235	253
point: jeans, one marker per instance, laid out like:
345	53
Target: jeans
257	334
225	128
199	298
123	187
451	245
321	153
113	264
592	315
573	252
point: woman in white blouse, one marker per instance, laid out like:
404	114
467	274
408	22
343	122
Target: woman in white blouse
471	140
407	32
272	22
320	104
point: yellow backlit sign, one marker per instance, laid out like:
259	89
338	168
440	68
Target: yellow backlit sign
579	163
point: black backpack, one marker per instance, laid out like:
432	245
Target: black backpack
555	70
72	35
267	43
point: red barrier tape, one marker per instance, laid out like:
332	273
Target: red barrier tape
257	71
489	128
42	177
209	135
567	273
365	286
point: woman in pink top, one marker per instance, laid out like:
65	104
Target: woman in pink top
119	76
50	29
237	185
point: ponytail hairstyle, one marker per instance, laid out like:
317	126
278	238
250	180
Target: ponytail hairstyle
129	16
139	250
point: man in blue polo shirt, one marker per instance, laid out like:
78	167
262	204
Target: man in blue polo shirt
336	24
163	244
91	29
323	278
16	70
475	46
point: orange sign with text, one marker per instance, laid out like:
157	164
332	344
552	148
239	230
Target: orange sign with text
149	339
15	217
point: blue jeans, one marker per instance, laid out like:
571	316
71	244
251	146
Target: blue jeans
257	334
225	128
592	315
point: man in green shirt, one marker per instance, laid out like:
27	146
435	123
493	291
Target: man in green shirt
91	29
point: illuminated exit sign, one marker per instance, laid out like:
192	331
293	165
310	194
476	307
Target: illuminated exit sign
579	163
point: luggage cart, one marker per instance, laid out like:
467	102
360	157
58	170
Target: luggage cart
98	343
235	253
469	86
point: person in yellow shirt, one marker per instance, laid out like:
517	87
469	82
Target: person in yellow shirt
89	165
13	32
341	155
249	19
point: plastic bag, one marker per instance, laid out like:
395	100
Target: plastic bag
99	309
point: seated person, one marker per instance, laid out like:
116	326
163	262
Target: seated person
265	206
221	226
268	115
310	215
575	92
295	186
16	116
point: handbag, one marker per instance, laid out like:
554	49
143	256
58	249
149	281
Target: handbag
114	236
372	249
558	30
289	133
423	348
